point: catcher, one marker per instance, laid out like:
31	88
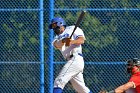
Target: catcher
133	67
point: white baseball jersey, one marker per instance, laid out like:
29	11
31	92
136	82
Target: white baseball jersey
73	69
73	49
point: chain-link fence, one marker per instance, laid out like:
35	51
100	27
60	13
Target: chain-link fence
28	61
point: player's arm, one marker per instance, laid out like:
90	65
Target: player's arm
58	44
80	37
124	87
78	41
120	89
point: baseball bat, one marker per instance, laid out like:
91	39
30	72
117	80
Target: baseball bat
78	22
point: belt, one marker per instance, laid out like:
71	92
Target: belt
78	54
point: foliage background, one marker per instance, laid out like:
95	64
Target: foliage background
112	35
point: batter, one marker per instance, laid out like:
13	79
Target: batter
71	50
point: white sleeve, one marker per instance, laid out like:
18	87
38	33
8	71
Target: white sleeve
79	33
55	38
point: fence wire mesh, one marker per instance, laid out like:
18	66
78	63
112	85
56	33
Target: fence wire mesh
112	35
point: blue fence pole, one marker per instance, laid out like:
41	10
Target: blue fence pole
41	48
51	14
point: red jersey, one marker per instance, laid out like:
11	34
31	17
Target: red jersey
135	78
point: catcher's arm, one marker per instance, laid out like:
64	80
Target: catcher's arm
124	87
112	91
120	89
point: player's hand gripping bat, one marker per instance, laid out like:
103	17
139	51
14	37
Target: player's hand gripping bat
76	25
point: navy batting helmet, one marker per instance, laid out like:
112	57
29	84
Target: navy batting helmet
57	22
131	63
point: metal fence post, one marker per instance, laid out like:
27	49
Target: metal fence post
41	48
51	14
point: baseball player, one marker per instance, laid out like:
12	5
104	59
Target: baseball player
71	50
133	85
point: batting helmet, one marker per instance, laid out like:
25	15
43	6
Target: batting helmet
57	22
131	63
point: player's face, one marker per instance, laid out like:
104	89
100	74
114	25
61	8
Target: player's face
62	28
58	30
129	67
132	69
135	69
